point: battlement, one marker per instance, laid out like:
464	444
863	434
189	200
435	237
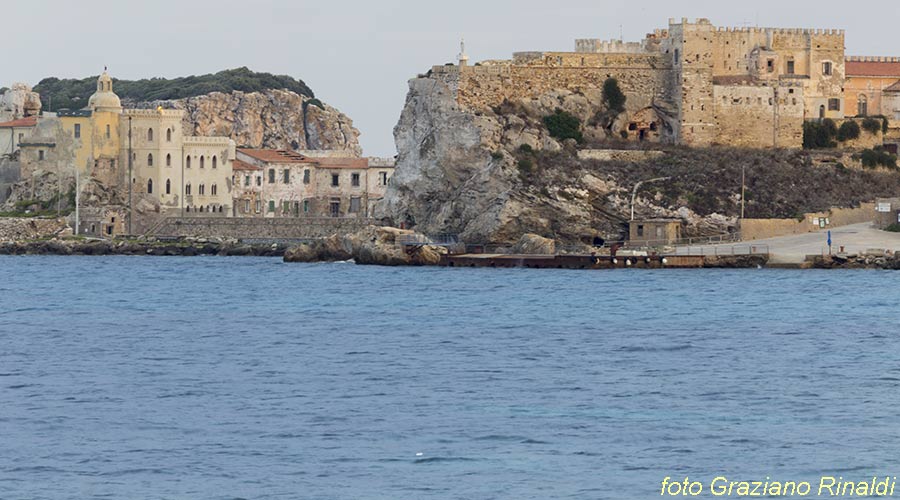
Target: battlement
881	59
781	31
154	113
207	141
593	46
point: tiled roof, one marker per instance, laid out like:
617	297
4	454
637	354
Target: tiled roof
31	121
872	68
239	165
274	155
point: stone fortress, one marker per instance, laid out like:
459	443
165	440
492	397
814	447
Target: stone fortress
693	83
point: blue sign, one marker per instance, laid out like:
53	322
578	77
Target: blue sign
829	238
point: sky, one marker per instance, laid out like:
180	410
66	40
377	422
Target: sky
357	55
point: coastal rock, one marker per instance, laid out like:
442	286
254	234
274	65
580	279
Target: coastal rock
370	246
532	244
275	119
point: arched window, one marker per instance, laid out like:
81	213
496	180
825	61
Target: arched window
188	208
150	160
202	161
215	162
822	111
150	135
220	208
168	186
202	190
187	189
150	186
187	162
168	135
213	190
168	160
863	105
201	208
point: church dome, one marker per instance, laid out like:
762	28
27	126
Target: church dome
105	99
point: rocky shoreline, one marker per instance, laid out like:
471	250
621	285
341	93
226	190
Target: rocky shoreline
890	261
152	247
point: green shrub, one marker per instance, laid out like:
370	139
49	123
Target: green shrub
894	228
563	125
819	134
315	102
72	93
849	131
613	97
878	157
526	166
497	155
884	122
872	125
527	149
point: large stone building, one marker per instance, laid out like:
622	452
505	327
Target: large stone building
868	79
136	164
693	83
278	183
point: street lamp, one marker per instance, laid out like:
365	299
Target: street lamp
638	185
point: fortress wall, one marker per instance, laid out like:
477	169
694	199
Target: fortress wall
759	116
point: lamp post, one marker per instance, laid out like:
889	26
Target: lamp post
638	186
130	179
743	188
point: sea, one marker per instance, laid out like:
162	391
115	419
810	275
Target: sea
248	378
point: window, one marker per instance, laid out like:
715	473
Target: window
41	155
862	106
202	161
246	206
306	176
271	176
258	206
150	186
822	111
285	207
213	190
383	178
306	206
112	164
168	186
271	206
287	176
790	67
677	57
640	230
168	160
187	162
21	137
259	180
187	189
354	205
168	135
827	68
834	104
150	160
215	161
202	190
354	180
149	135
78	131
108	135
770	65
246	180
335	207
335	180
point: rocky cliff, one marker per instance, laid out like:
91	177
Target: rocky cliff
492	175
19	101
278	119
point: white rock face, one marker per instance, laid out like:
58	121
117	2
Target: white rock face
275	119
19	102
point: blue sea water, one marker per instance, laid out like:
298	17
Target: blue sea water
226	378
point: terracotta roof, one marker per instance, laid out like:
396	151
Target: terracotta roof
893	88
239	165
872	68
31	121
275	155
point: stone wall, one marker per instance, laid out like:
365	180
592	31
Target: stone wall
618	155
758	116
257	228
758	229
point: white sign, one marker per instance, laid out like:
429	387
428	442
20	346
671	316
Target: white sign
883	207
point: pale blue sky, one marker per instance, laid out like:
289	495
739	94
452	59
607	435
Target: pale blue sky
358	54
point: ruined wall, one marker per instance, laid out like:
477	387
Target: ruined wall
646	79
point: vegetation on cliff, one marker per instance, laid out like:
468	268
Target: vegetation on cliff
74	94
